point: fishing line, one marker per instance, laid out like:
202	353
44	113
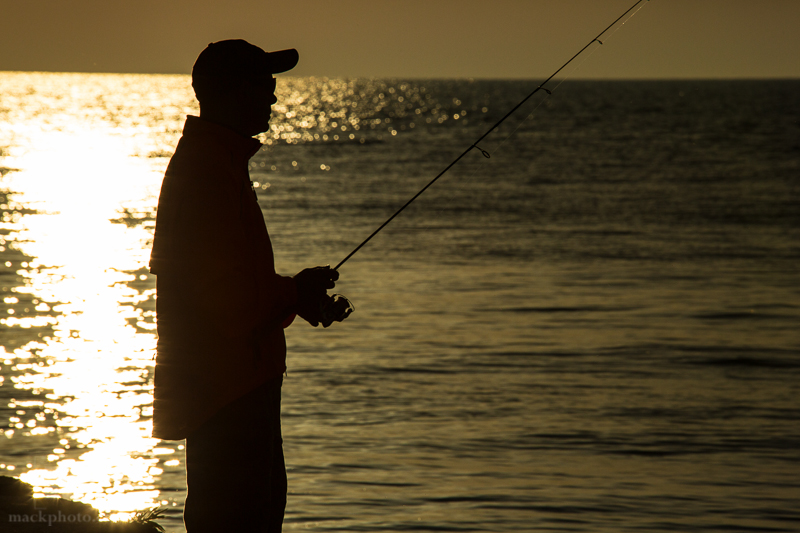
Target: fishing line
474	145
567	76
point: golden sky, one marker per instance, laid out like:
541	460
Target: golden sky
411	38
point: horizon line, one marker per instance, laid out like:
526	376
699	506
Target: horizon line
467	78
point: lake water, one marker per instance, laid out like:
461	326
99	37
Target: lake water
596	329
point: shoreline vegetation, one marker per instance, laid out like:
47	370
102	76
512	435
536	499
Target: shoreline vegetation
20	512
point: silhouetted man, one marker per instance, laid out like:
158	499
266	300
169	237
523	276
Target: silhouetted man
221	306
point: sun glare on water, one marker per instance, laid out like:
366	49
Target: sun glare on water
82	161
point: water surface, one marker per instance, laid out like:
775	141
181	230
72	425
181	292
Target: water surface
593	330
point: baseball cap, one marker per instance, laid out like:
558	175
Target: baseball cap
236	59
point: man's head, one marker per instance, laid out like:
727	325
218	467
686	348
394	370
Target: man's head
233	81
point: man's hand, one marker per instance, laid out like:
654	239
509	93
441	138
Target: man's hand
312	288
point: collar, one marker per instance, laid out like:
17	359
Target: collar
239	146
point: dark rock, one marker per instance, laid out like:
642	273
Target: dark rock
20	512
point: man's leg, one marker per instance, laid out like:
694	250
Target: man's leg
276	476
234	467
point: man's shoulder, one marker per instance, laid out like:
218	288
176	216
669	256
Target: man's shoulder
197	157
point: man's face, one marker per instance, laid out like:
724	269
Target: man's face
258	97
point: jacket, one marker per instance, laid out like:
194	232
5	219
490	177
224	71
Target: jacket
220	304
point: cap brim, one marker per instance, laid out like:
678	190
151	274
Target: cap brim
282	60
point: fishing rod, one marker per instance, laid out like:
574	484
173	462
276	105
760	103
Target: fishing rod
486	154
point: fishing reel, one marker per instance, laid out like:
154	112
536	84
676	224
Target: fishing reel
334	308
